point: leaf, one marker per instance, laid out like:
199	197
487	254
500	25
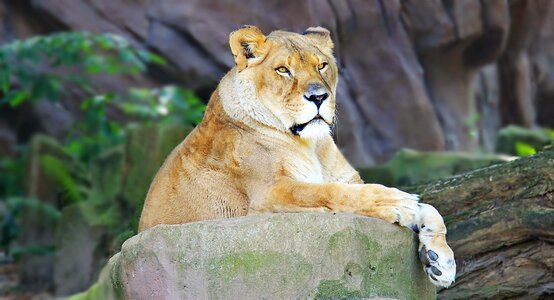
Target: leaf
74	147
156	59
151	58
59	172
47	87
14	98
4	79
95	64
140	93
524	149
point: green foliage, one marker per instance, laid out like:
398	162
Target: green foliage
11	191
59	172
40	65
11	175
521	141
524	149
41	69
102	212
527	149
13	207
168	105
472	122
46	68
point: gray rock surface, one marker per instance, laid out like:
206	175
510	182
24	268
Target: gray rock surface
77	259
275	256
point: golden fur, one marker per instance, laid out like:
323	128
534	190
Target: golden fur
264	145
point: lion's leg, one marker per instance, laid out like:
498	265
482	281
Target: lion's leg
254	212
376	201
434	252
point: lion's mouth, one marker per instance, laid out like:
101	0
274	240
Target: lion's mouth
295	129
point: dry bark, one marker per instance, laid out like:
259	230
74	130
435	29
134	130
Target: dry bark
500	223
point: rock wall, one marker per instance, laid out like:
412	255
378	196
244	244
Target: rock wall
429	75
325	256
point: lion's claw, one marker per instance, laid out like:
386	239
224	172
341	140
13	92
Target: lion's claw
441	269
432	255
435	270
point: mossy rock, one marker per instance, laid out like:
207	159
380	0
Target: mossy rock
107	288
513	140
275	256
409	167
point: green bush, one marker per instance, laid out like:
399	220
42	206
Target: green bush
41	69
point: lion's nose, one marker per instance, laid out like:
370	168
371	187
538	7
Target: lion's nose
316	94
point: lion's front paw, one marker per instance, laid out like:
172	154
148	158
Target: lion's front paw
438	261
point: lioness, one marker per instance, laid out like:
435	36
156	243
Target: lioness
264	145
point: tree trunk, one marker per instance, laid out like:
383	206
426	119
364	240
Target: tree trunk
500	223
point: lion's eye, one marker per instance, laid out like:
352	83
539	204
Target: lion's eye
283	70
322	66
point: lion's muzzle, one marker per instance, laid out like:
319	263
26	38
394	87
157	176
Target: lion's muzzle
316	93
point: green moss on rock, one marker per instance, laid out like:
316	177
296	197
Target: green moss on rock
336	289
260	270
372	268
252	263
110	285
276	256
93	293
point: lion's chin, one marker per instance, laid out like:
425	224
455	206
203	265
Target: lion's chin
314	130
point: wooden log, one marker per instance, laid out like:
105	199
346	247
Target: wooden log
500	223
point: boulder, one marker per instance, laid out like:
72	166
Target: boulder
78	260
273	256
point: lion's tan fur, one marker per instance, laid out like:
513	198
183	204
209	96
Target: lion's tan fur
229	163
243	159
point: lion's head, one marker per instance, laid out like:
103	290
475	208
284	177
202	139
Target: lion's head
284	80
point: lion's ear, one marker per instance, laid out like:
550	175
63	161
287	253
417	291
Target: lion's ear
248	45
321	35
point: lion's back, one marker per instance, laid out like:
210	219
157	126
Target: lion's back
197	181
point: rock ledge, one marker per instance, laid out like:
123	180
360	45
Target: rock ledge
275	256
